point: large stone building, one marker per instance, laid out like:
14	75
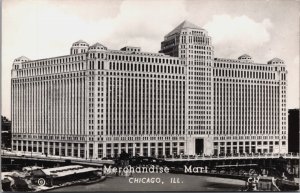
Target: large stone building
97	102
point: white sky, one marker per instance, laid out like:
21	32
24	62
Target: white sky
47	28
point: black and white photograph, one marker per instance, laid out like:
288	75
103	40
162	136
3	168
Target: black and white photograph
150	95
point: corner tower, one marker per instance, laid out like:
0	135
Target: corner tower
79	47
17	65
193	46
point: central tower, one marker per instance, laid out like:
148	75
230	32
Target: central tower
193	47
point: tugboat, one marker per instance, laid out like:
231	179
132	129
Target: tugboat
263	183
287	185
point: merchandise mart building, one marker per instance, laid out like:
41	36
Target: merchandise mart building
97	102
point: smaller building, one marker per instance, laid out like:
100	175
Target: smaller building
5	132
294	131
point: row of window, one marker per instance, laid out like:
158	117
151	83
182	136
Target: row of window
136	58
244	74
51	61
146	68
237	65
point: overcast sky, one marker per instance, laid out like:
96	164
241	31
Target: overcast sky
40	28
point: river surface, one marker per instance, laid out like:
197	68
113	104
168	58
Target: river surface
186	183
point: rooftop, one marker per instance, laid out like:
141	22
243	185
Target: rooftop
185	24
245	56
276	61
22	59
67	170
97	44
80	42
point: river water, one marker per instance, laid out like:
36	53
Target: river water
184	183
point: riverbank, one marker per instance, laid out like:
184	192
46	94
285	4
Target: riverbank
168	182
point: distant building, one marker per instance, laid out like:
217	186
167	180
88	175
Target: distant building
5	132
294	130
97	102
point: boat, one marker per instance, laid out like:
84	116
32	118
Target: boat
287	185
73	183
60	175
264	183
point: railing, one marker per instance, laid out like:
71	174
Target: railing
236	156
40	156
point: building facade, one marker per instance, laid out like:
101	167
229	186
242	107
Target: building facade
97	102
250	112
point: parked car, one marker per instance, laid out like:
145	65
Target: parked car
144	161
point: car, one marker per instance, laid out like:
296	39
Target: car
135	161
20	154
184	157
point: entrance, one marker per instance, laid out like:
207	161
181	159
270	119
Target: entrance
199	145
